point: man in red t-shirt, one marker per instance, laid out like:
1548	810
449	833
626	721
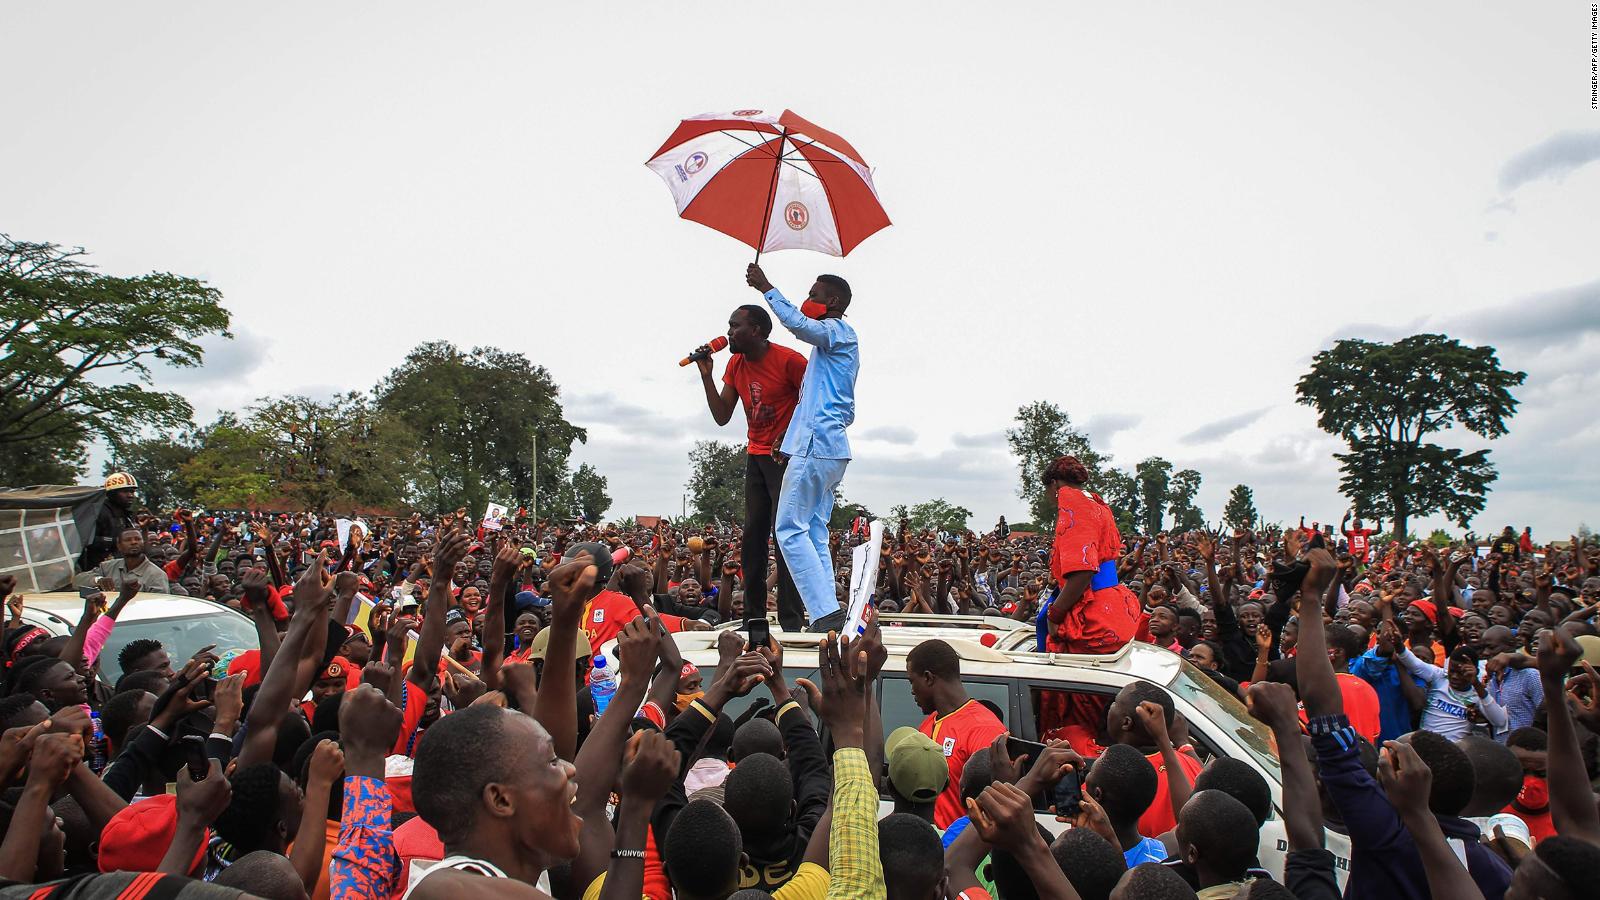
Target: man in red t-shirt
1360	539
960	725
764	377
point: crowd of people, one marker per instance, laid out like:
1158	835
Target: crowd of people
1436	705
438	705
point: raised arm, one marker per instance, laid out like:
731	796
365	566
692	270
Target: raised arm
507	558
430	640
1407	780
557	707
271	704
1318	686
1274	704
812	331
1572	805
601	756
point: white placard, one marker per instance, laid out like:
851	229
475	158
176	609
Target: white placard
492	516
863	579
342	528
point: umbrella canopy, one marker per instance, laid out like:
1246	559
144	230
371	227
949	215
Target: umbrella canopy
775	182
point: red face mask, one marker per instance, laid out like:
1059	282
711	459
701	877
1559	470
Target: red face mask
813	309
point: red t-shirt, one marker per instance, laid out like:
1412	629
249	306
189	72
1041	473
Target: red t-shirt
1360	706
1360	542
1158	819
962	733
769	390
605	615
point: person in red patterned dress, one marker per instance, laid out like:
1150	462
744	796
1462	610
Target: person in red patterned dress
1091	611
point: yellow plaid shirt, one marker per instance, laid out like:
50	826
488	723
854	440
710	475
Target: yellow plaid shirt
854	870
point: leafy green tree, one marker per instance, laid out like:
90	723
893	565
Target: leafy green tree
1241	509
1154	475
477	418
156	463
227	470
1384	400
716	481
1180	501
1044	432
1440	538
76	348
1121	491
934	515
55	460
343	452
589	490
845	512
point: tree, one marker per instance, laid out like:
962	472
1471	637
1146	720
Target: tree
1044	432
1440	538
227	469
934	515
156	463
1384	400
716	481
1121	491
477	418
845	512
76	347
1241	509
344	451
1180	501
589	490
1153	476
56	460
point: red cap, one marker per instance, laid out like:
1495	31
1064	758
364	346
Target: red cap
136	838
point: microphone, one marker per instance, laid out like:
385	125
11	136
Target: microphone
716	343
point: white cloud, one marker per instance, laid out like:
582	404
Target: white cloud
1554	157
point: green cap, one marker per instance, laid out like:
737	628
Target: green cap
917	767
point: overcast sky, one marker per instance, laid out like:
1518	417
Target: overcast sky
1152	216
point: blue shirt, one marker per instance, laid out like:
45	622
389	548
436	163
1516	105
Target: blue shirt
1394	713
828	394
1520	692
1147	850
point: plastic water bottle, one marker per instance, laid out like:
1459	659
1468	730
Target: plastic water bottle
602	682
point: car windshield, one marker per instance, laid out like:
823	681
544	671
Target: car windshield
181	637
1223	709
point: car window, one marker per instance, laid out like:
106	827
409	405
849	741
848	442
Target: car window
1057	709
733	708
1223	710
899	708
181	637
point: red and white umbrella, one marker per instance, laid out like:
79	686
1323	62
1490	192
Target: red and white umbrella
775	182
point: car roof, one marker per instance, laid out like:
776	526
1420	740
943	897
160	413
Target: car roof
65	608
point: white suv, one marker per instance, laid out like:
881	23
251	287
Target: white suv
1013	681
182	624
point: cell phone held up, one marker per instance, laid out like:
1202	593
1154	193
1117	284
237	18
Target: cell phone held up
1068	792
760	632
